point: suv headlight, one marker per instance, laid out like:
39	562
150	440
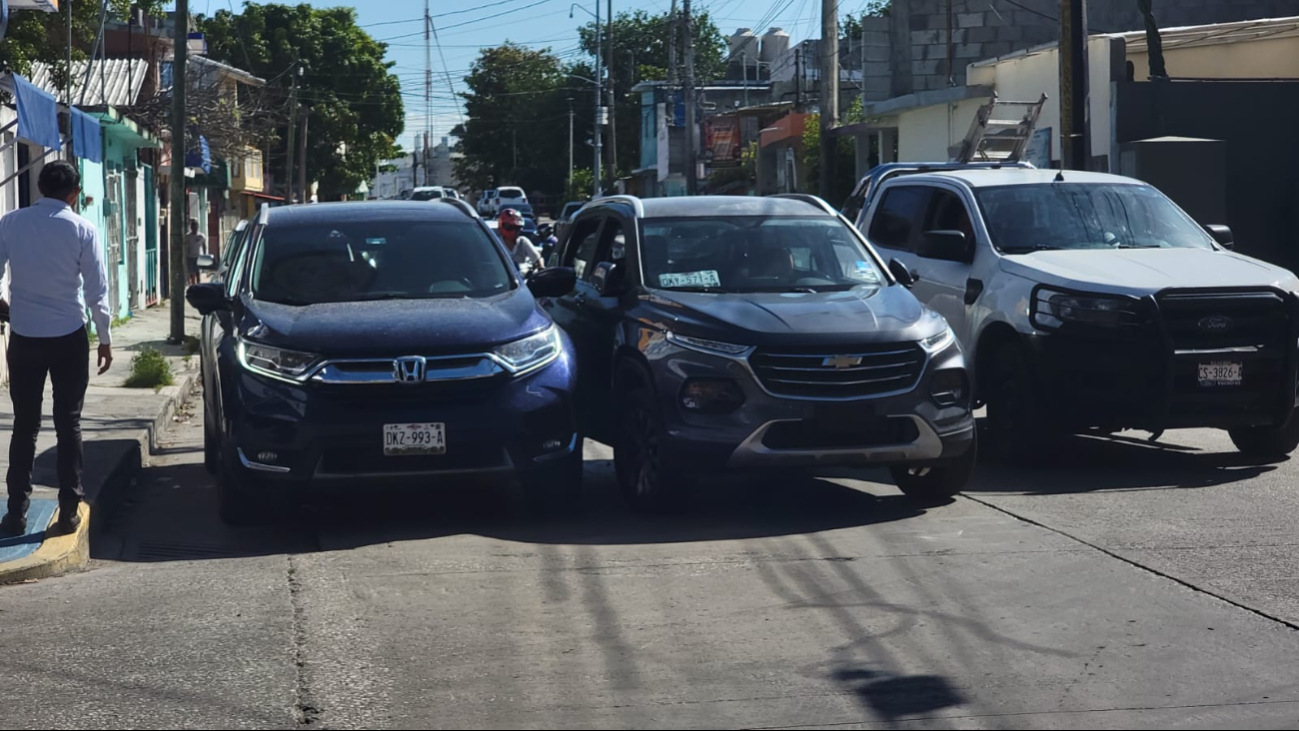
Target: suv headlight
278	363
530	353
1052	309
938	341
711	347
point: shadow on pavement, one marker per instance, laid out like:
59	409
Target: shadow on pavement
1088	463
170	515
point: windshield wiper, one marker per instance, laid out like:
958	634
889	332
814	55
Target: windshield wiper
1138	246
1029	249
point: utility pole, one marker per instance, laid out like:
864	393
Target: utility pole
302	156
179	204
289	170
596	131
829	92
613	107
673	79
569	190
1074	135
692	141
428	83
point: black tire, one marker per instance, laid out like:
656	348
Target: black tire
648	481
211	448
1017	431
938	484
556	488
1267	442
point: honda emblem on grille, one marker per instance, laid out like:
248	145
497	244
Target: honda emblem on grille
1217	324
839	362
409	369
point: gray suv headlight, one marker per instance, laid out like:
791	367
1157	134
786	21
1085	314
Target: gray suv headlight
711	347
939	341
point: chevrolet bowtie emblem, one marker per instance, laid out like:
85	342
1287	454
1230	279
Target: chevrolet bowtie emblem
839	362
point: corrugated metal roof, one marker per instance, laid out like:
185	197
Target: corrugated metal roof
114	81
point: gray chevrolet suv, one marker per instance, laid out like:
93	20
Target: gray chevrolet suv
722	334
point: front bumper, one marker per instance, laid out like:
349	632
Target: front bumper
496	428
1148	377
779	432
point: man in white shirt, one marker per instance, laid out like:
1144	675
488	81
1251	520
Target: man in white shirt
525	255
195	246
54	257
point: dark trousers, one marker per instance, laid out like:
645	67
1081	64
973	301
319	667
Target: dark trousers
67	361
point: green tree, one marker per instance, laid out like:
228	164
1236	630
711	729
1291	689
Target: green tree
516	110
850	24
640	53
36	36
354	99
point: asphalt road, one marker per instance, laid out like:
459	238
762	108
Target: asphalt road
1128	586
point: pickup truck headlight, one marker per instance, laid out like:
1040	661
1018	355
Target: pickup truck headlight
275	362
711	347
1053	308
530	353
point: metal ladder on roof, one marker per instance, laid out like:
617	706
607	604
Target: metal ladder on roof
996	134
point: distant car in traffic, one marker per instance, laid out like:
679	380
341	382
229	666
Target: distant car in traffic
486	205
510	197
430	193
381	341
731	334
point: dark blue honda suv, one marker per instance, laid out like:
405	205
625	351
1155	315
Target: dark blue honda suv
369	341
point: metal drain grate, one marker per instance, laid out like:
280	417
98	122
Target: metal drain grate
163	551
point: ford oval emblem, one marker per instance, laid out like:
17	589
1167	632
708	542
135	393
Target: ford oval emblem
1216	324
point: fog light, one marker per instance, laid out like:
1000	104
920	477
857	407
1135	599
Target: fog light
551	445
268	457
949	387
711	396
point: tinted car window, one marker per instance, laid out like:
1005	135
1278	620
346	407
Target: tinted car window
511	192
1086	216
426	195
372	260
755	254
896	215
582	245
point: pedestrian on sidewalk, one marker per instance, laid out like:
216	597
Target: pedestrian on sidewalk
195	246
56	270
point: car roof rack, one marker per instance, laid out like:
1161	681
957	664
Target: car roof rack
264	215
808	198
630	200
241	226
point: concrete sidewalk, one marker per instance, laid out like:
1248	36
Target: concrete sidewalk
120	427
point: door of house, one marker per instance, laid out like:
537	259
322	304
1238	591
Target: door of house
113	258
133	227
151	273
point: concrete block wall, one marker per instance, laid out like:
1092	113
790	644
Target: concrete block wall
983	29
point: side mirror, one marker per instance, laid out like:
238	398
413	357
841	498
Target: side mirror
1222	234
608	278
945	245
207	297
555	282
904	274
207	262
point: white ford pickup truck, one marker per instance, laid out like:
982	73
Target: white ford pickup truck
1092	302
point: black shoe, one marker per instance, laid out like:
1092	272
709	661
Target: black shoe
13	524
69	521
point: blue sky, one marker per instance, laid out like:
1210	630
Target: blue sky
465	27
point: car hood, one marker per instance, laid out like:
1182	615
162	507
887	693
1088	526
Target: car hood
861	315
1144	271
396	327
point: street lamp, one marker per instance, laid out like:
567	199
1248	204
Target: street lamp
598	74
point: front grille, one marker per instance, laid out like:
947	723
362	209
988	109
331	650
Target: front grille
1216	320
850	372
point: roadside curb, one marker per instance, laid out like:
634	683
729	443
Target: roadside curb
57	555
61	554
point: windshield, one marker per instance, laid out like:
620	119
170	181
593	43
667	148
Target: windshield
755	254
426	195
372	260
1024	218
